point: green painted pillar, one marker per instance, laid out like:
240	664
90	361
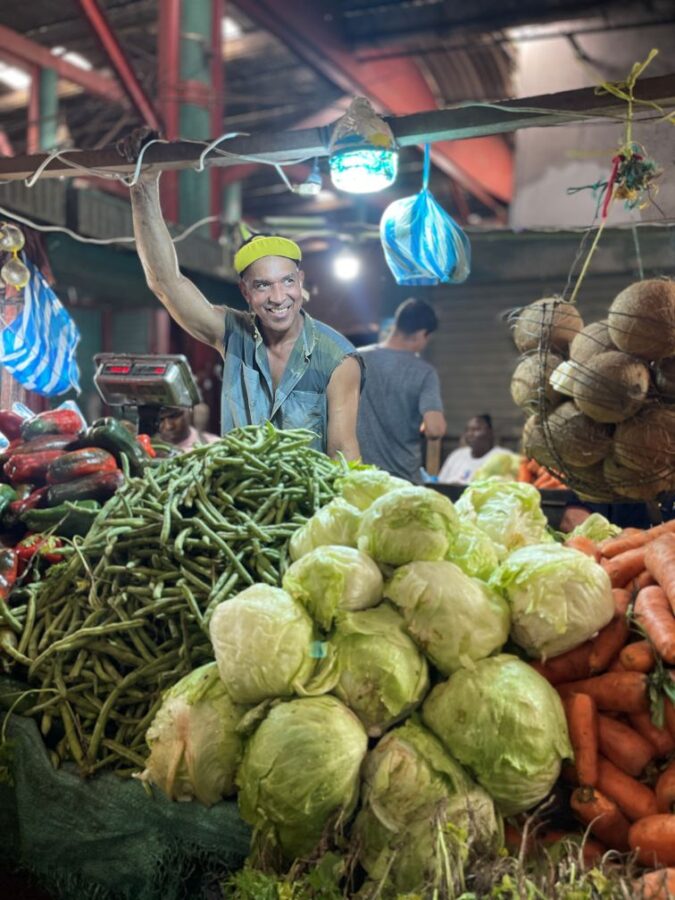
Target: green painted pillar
49	108
195	46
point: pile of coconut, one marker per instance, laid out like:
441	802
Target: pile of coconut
601	397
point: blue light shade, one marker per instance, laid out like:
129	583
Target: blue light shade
363	171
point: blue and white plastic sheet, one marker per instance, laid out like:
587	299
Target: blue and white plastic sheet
38	347
422	244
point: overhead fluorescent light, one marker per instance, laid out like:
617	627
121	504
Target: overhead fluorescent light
230	29
14	77
71	56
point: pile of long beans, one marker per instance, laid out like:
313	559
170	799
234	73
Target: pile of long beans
126	616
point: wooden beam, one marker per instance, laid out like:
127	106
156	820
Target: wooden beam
455	123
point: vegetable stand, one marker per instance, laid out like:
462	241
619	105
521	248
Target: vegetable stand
382	677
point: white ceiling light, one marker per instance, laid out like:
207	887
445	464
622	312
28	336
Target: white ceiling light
346	266
71	56
13	77
230	29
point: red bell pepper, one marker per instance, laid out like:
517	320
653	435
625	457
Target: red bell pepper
10	424
44	442
53	421
79	464
31	467
32	501
9	566
45	548
146	443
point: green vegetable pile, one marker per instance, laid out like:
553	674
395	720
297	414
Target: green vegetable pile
109	630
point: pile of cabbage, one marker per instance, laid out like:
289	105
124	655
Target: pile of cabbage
372	695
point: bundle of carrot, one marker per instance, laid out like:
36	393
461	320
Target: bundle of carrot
531	472
618	690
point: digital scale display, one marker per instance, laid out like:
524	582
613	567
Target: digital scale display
145	380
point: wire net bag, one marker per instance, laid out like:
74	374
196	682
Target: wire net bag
600	398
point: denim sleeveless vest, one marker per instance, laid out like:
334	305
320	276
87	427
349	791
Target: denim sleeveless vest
299	401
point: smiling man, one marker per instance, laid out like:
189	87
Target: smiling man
280	365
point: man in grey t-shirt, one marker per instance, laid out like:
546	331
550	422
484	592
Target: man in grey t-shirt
402	394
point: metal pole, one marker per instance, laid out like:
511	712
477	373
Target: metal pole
119	61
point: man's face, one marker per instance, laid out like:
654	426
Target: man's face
174	425
478	436
272	287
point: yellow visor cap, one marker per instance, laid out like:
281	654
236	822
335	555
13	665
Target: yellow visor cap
265	245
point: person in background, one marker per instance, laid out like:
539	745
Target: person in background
175	427
402	395
479	445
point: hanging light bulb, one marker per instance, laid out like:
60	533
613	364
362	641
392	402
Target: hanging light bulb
11	238
346	266
14	273
363	153
312	184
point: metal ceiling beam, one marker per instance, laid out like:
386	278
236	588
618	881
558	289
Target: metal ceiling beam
27	54
453	124
484	166
118	59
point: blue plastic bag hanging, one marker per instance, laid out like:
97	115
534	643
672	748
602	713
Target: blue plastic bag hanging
38	347
422	243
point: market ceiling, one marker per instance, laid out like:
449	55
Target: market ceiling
292	65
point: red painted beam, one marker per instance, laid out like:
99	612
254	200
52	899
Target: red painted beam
6	148
168	76
217	106
118	59
33	126
27	53
483	165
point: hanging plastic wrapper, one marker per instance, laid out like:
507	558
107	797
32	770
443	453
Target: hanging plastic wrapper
38	348
422	243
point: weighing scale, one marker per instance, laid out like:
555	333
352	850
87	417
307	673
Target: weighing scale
146	382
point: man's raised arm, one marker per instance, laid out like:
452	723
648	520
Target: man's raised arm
182	299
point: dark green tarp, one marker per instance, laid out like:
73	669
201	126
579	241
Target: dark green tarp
105	838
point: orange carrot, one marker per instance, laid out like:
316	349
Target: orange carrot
660	738
622	600
582	721
524	473
546	480
654	839
604	817
584	545
644	579
569	666
638	657
654	615
614	691
658	885
624	746
669	712
634	799
626	566
608	644
615	666
534	467
660	561
665	790
629	539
